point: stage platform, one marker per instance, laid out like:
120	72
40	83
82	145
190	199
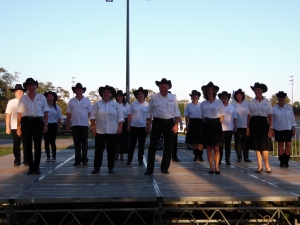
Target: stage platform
61	182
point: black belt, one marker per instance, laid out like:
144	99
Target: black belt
163	120
33	117
211	120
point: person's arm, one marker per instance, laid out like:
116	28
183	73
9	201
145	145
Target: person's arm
234	124
68	122
221	118
270	118
7	122
93	126
45	129
180	122
120	126
175	127
187	123
19	132
129	122
248	122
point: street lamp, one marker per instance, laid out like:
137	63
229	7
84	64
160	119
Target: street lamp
292	83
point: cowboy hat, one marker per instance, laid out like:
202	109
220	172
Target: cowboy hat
79	85
224	93
210	84
111	89
281	94
261	86
30	81
135	93
195	92
239	91
51	93
120	92
164	81
17	87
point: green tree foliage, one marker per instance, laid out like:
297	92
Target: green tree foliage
273	100
94	96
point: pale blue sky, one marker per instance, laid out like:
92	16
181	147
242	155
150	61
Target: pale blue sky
233	43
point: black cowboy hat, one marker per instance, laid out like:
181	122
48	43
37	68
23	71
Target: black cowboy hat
18	87
195	92
30	81
239	91
135	93
51	93
79	85
210	84
224	93
120	92
164	81
281	94
111	89
261	86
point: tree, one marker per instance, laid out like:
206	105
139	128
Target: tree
248	98
94	96
44	87
273	100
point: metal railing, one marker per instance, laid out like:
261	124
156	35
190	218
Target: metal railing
295	146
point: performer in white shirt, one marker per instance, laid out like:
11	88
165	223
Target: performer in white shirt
213	115
79	110
163	108
194	123
260	125
240	136
122	139
284	124
106	123
228	126
137	124
32	123
54	120
11	124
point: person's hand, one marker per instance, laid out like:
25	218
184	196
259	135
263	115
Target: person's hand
19	132
186	128
147	128
45	129
270	132
247	132
129	128
293	132
181	127
175	129
68	128
234	129
8	130
119	131
93	131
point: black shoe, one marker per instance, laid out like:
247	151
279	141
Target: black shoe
247	160
148	172
37	170
76	164
53	159
84	163
228	163
165	171
95	171
201	159
195	158
141	163
259	171
121	158
211	172
25	163
128	163
30	171
48	159
110	171
176	160
239	160
16	164
217	172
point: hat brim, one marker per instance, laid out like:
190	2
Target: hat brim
74	88
204	88
51	93
261	86
13	90
135	93
221	94
25	84
159	83
111	89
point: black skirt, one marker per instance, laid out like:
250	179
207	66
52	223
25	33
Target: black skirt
194	136
212	133
123	139
283	135
259	128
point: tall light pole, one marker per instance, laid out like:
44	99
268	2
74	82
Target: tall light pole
292	83
73	84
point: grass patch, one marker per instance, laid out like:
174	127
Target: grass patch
3	134
6	151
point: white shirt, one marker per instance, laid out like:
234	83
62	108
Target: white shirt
263	108
212	110
36	108
241	111
230	114
54	114
124	109
193	111
138	111
163	107
79	111
11	108
107	116
283	118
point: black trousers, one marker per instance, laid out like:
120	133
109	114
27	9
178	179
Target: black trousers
174	151
137	134
100	141
49	139
80	138
161	127
32	129
17	147
241	143
122	139
227	136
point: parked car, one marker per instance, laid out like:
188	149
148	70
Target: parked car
63	126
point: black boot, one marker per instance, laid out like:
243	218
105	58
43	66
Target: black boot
287	159
200	152
281	160
37	170
196	153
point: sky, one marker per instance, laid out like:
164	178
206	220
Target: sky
232	43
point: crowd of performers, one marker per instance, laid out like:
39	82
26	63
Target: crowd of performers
118	126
